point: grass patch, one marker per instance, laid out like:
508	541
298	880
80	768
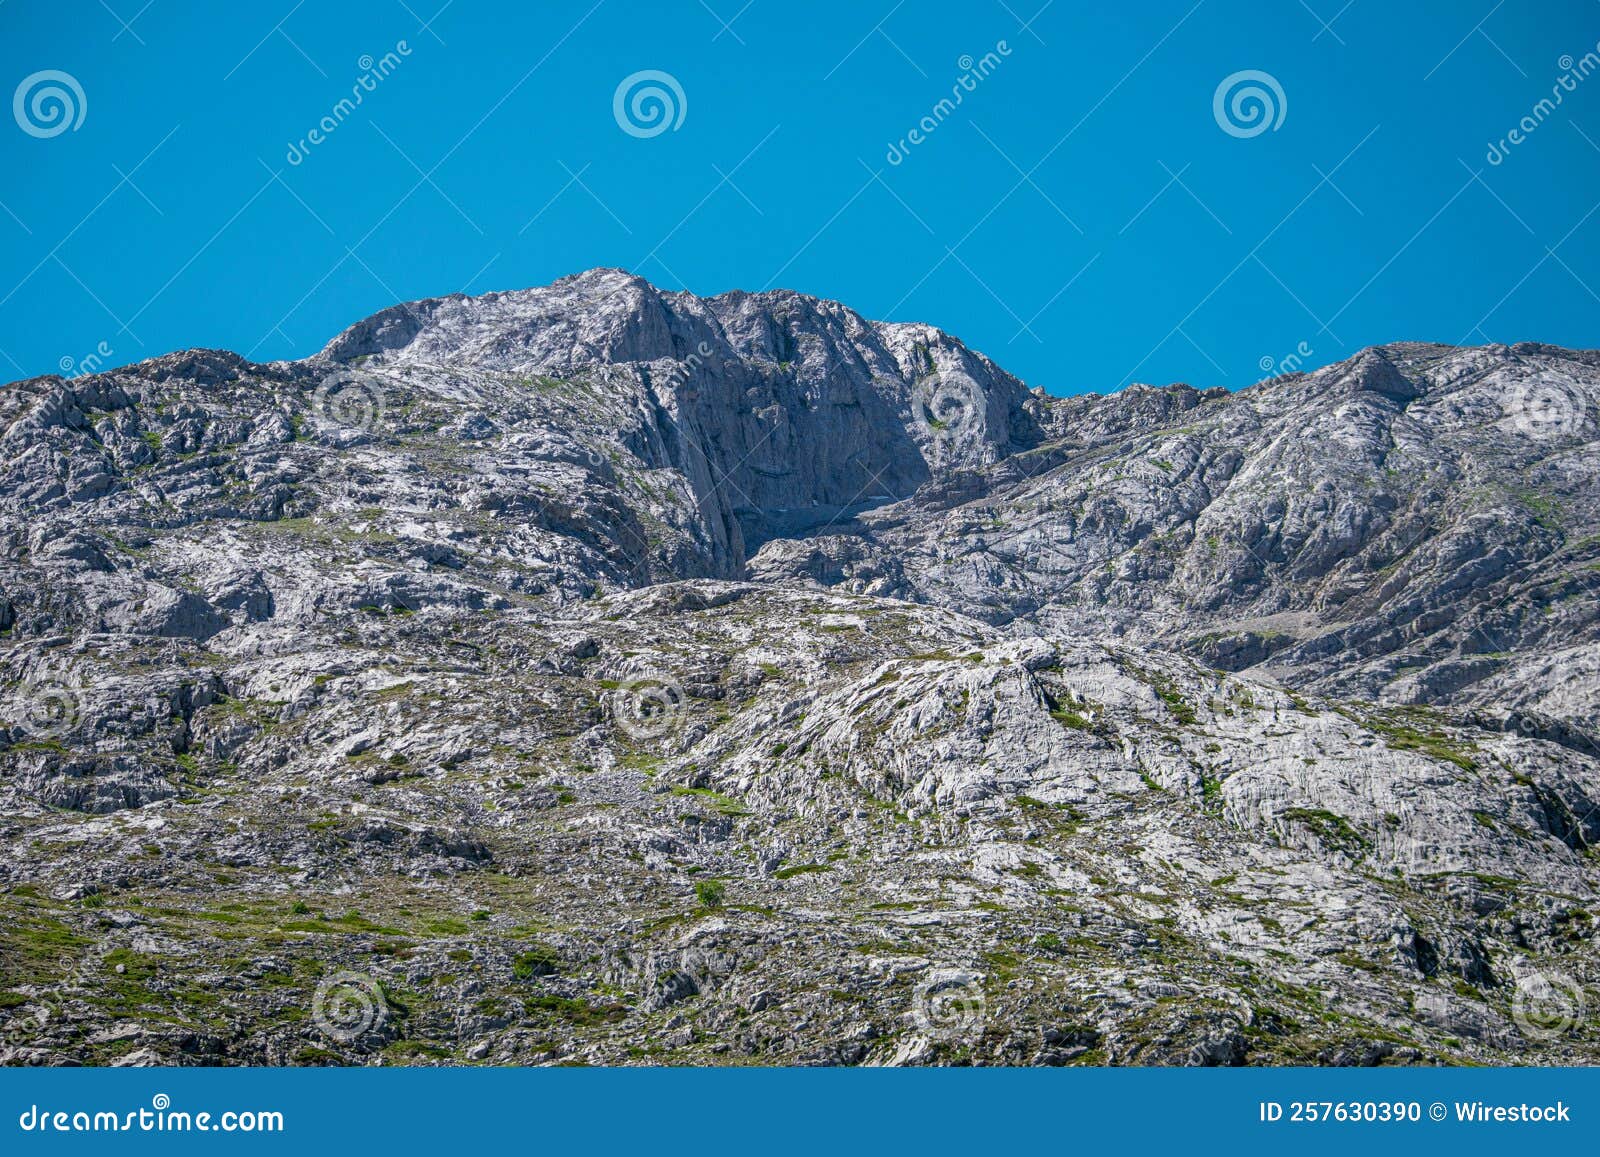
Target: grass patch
799	870
1071	719
1400	735
1333	830
726	805
576	1010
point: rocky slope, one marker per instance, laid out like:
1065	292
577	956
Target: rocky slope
592	673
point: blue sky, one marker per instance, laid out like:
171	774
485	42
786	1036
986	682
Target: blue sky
1082	215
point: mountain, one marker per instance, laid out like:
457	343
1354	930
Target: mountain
596	673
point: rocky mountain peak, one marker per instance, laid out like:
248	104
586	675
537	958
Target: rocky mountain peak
622	674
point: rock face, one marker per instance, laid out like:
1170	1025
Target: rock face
1411	526
597	673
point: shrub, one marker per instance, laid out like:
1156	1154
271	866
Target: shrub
536	961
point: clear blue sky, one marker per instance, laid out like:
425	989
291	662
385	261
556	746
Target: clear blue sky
1081	216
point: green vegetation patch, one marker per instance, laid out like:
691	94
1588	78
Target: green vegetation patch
727	805
1400	731
1333	830
799	870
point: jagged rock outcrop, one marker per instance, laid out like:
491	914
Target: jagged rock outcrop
1410	526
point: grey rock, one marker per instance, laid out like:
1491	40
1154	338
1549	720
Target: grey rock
597	674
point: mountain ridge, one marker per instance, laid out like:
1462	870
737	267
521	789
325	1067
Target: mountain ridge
587	673
778	443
